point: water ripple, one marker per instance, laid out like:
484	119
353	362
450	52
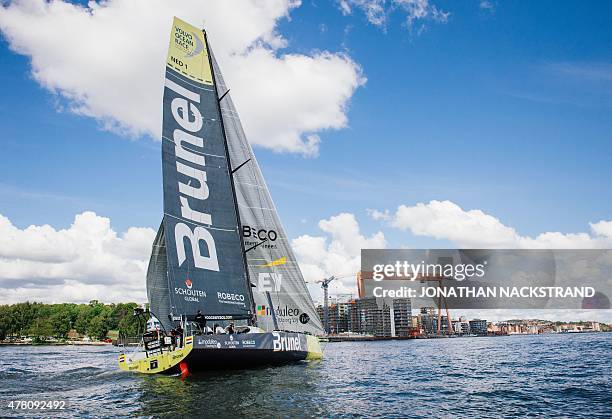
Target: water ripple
555	375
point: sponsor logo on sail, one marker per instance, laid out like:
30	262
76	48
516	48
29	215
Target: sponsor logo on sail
190	294
256	235
188	283
286	314
231	298
277	262
286	343
188	42
268	282
191	165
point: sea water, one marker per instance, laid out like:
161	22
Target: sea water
546	375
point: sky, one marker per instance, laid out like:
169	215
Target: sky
398	123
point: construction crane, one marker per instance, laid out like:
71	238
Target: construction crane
325	285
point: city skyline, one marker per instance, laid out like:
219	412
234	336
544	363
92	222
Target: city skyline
377	124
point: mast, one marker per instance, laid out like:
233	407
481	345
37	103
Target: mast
253	320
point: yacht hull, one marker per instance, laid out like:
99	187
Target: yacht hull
243	350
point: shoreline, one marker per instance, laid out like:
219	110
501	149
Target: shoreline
21	343
361	338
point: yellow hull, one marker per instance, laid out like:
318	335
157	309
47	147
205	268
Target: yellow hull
314	348
156	364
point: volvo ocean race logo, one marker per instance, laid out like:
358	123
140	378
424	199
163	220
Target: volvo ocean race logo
286	343
188	42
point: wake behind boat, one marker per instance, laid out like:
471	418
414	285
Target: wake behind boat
221	255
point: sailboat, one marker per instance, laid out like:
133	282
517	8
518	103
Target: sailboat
220	255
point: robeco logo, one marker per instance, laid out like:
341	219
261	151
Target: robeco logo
188	283
230	296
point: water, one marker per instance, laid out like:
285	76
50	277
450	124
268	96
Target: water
552	375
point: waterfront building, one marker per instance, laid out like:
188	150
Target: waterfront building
402	315
428	320
461	327
478	327
340	313
364	316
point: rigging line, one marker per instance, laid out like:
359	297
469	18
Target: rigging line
266	209
236	169
222	96
255	246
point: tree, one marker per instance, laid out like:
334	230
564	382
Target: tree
41	328
98	327
45	320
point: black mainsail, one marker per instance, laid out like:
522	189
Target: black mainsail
205	258
221	247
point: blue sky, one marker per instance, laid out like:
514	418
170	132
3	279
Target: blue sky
504	108
503	111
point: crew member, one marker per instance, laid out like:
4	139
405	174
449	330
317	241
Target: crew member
179	335
230	329
200	321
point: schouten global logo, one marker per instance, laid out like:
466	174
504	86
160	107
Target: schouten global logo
190	294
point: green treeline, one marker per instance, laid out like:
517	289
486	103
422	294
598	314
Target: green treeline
41	321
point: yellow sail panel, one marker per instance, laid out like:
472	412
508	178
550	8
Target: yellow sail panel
187	52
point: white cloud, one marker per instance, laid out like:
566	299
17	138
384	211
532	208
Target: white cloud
337	253
377	11
107	59
486	5
86	261
446	220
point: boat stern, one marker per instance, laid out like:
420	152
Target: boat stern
162	362
313	347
